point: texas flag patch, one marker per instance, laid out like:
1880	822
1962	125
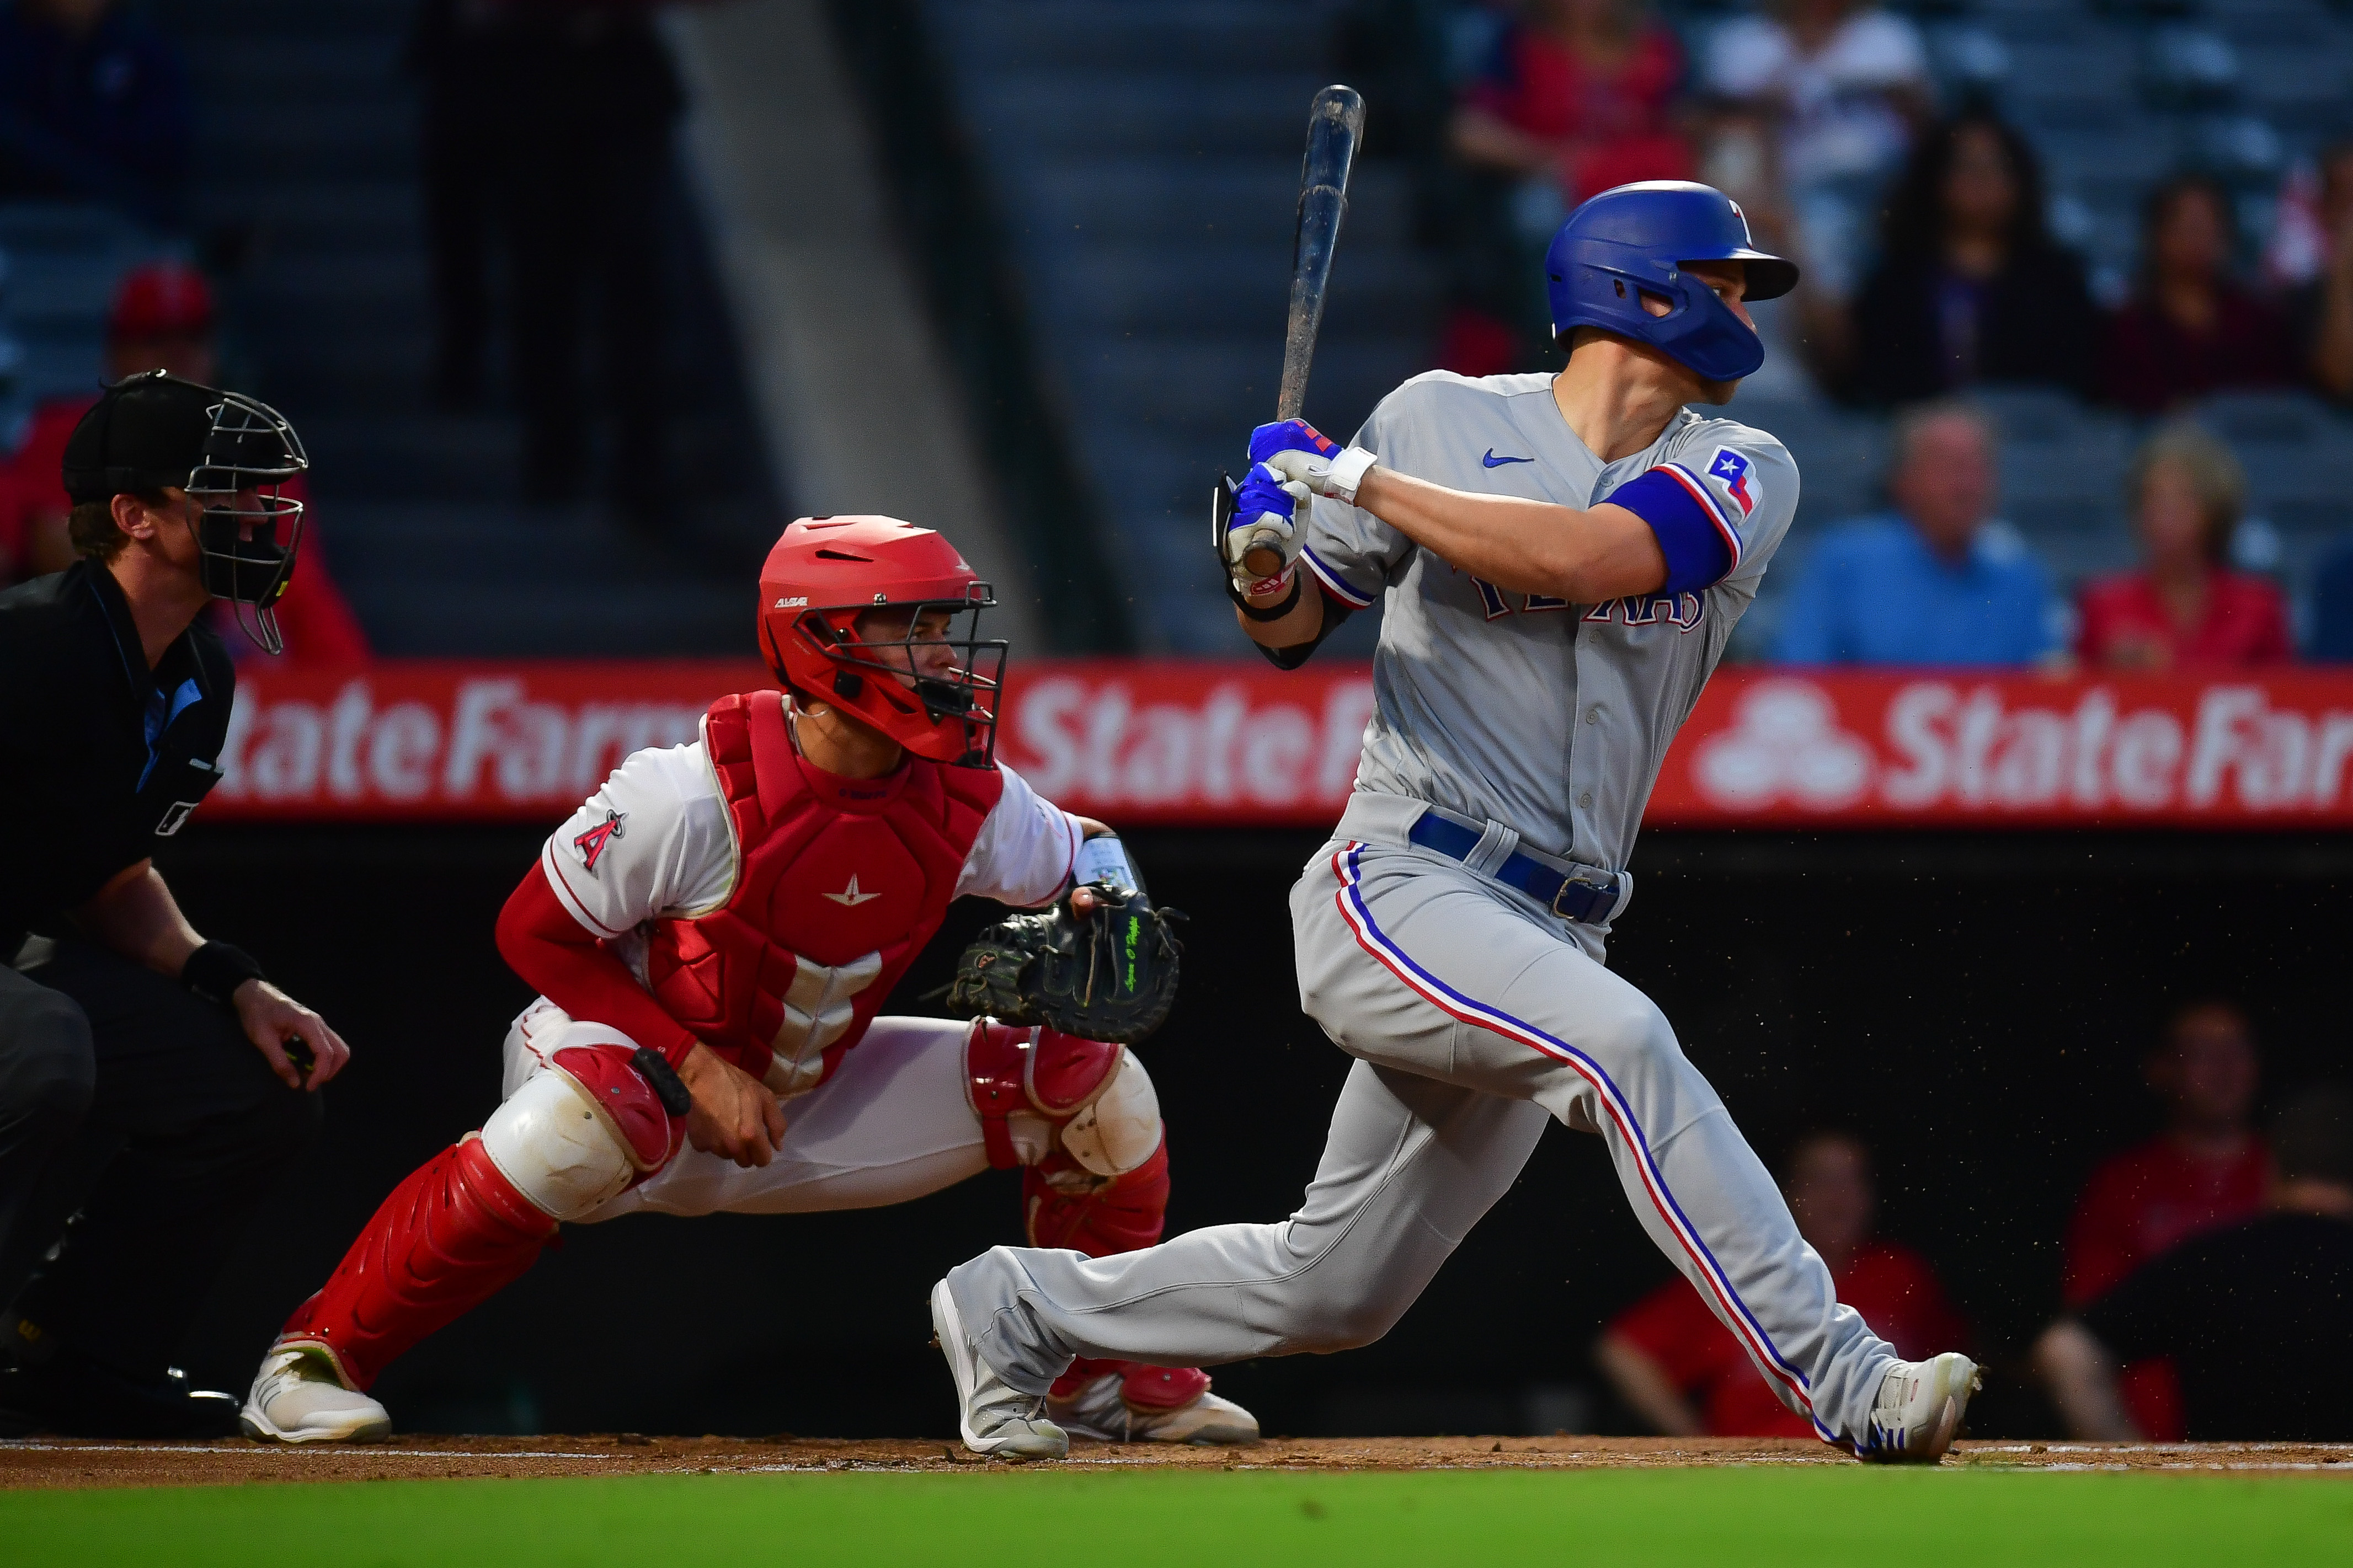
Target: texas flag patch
1732	471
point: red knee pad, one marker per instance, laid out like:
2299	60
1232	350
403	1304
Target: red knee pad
449	1237
626	1100
1041	1073
1121	1215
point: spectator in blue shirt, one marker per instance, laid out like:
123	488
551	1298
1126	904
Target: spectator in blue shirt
94	106
1930	582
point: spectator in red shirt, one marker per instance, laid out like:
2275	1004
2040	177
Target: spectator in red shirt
2190	329
2208	1168
2185	607
162	319
1681	1371
1582	91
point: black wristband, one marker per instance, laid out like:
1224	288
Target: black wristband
215	969
1272	612
667	1087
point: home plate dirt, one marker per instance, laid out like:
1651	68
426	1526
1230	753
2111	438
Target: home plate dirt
68	1462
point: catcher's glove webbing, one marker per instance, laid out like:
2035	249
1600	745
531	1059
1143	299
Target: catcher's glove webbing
1109	975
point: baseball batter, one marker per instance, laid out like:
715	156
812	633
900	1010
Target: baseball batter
1559	560
714	932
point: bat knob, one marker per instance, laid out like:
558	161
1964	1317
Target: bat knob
1263	561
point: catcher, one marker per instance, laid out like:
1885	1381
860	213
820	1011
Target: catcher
711	934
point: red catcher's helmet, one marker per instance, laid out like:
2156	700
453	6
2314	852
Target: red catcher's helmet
826	572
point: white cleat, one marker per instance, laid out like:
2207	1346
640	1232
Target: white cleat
1919	1408
296	1398
997	1420
1101	1413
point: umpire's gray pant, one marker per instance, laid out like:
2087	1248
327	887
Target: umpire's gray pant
1475	1017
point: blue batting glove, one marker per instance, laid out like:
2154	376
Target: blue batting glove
1262	538
1262	497
1297	453
1289	435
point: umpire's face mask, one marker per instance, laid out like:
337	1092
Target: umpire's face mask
239	557
250	530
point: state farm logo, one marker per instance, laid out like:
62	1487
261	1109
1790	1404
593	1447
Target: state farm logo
1175	742
1786	743
464	741
2017	746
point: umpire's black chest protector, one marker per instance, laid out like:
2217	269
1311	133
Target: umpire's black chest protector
101	760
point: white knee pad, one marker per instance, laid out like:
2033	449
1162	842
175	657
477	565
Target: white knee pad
555	1149
1120	1129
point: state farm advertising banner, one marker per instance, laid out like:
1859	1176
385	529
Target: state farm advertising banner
1956	749
1237	746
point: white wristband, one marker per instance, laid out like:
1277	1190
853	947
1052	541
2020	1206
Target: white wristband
1348	472
1103	859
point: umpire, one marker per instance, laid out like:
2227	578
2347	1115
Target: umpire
153	1084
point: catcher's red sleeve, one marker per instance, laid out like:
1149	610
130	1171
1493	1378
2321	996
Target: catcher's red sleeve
541	941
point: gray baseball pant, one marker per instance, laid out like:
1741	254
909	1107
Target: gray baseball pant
1476	1016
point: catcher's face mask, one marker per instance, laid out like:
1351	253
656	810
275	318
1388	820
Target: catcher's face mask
933	651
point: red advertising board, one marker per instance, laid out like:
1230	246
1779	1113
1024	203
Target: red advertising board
1236	744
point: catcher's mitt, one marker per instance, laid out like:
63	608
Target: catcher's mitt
1109	975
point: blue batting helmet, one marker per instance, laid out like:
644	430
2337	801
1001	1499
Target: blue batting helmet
1632	241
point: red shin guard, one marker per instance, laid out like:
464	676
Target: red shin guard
449	1237
1125	1215
1140	1387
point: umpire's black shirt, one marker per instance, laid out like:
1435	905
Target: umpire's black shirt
99	757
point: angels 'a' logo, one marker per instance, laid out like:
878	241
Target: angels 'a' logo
592	843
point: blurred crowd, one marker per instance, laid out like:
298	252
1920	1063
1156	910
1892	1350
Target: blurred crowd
1922	224
544	156
1936	579
2205	1273
96	109
546	140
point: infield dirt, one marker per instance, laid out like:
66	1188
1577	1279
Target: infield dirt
72	1464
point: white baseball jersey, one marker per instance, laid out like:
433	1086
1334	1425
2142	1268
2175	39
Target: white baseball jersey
1548	717
656	836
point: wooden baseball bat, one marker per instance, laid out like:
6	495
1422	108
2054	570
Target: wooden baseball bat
1335	123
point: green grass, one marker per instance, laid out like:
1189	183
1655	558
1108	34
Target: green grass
1904	1518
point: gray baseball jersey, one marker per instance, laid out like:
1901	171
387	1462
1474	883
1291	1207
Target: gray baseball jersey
1548	717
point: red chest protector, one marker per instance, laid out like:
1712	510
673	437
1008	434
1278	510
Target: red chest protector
839	884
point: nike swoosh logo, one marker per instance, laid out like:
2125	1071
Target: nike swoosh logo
1493	461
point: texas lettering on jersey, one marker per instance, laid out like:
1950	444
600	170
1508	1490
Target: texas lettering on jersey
1683	611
